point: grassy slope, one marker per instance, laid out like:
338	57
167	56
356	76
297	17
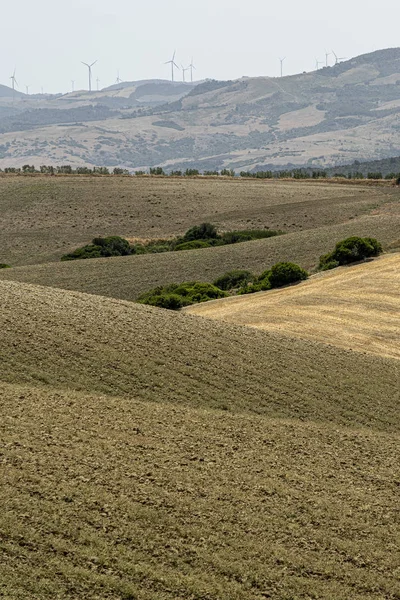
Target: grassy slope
42	218
122	479
127	277
356	307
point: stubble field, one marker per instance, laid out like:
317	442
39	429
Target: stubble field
354	307
147	454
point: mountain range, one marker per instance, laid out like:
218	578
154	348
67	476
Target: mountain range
332	116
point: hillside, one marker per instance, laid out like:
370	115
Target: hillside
154	455
322	118
43	218
74	341
355	307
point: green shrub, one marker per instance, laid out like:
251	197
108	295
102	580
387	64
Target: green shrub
350	250
192	245
235	237
174	296
4	266
234	279
284	273
196	291
101	247
331	264
205	231
113	246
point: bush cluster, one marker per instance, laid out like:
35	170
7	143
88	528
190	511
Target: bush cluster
281	274
234	279
101	247
350	250
175	296
4	266
199	236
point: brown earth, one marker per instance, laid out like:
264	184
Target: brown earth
43	218
152	455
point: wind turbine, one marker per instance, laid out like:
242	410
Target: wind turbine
97	82
173	64
338	58
327	55
191	67
282	60
73	85
14	83
317	63
27	89
90	72
118	80
184	71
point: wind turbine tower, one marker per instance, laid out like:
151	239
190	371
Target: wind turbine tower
327	55
173	65
27	89
14	83
72	85
183	72
97	82
317	63
191	67
118	80
282	60
90	72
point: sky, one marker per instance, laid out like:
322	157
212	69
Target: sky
46	40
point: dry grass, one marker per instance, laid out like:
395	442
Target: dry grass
355	307
122	478
43	218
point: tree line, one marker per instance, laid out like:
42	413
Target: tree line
302	173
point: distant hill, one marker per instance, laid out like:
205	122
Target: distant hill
338	114
7	92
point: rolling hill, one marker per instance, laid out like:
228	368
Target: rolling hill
44	217
353	307
153	455
326	117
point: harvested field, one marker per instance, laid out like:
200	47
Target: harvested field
355	307
55	338
127	277
156	455
43	218
116	499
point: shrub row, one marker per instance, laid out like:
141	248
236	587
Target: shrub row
101	247
175	296
199	236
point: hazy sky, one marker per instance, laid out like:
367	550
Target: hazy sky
46	39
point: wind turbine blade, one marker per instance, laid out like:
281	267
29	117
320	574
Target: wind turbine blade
173	58
176	65
93	63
